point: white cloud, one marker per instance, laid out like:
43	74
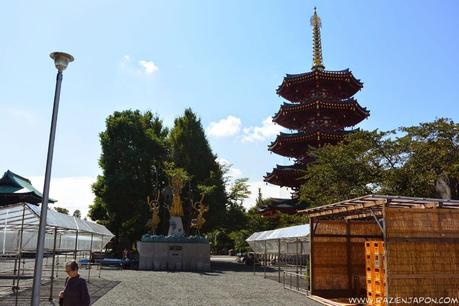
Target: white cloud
233	172
143	67
267	191
70	192
228	126
148	67
124	64
17	114
267	130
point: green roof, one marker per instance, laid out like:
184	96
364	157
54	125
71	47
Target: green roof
15	189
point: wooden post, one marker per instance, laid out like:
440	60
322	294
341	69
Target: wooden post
52	267
349	256
386	252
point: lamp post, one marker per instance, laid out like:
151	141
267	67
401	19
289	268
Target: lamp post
61	61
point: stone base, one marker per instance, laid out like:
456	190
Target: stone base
169	256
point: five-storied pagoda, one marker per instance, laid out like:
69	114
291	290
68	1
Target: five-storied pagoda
321	107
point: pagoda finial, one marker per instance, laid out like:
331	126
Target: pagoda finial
316	42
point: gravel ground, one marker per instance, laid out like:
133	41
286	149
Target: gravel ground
229	283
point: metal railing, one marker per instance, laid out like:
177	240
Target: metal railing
296	282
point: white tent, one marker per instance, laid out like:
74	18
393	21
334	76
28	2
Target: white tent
19	231
287	240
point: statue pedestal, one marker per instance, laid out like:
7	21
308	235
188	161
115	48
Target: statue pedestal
175	226
173	256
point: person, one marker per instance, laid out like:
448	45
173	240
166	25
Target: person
75	292
126	259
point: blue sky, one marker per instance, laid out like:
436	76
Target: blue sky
221	58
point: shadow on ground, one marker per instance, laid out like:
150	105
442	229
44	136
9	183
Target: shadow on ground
222	266
97	288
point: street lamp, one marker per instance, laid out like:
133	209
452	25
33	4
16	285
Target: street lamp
61	60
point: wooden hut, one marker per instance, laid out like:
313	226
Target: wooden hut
419	257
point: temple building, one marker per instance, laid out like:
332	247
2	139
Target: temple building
17	189
320	110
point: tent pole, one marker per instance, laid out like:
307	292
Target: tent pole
14	270
16	287
254	259
76	246
52	267
297	271
266	262
57	261
89	263
311	255
278	259
301	257
4	231
101	250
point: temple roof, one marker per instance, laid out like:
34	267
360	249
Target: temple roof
17	189
288	206
299	87
340	113
297	144
286	176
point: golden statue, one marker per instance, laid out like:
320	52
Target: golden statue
154	206
177	183
201	208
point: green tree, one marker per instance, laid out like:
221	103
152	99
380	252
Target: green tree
418	161
347	170
219	241
235	211
239	191
191	151
430	161
133	151
259	202
62	210
77	213
238	238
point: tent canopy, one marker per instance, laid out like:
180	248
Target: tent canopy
281	240
23	219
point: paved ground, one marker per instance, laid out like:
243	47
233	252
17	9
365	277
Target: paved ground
229	283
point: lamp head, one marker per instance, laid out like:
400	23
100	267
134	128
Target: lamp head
61	60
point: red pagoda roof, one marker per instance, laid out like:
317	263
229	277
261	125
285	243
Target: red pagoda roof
297	144
299	87
285	176
337	113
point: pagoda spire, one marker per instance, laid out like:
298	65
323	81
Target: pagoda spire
316	42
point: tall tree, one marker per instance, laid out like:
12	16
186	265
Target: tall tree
350	169
191	151
430	168
133	151
418	161
236	214
77	213
62	210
